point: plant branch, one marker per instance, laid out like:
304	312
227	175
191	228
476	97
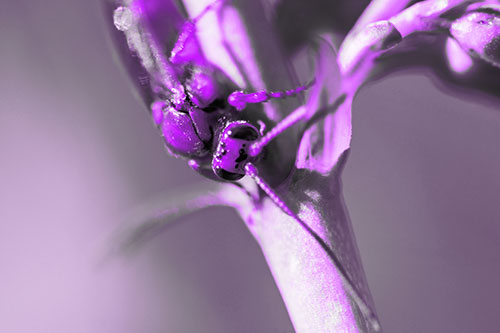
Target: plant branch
317	296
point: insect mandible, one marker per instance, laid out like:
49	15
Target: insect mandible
197	108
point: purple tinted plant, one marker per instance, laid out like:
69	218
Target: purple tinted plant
294	205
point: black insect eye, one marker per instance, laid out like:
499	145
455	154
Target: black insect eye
245	133
226	175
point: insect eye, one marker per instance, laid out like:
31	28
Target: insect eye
231	156
202	89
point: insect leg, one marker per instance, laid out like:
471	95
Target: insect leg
239	99
188	30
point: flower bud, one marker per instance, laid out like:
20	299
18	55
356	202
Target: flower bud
478	33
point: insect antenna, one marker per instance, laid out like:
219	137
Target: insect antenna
252	172
240	99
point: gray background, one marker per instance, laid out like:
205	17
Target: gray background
77	150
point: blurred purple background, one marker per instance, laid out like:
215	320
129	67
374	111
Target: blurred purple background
78	150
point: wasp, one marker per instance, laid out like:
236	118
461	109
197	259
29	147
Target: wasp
196	107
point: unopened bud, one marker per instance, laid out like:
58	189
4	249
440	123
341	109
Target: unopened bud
123	18
478	33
